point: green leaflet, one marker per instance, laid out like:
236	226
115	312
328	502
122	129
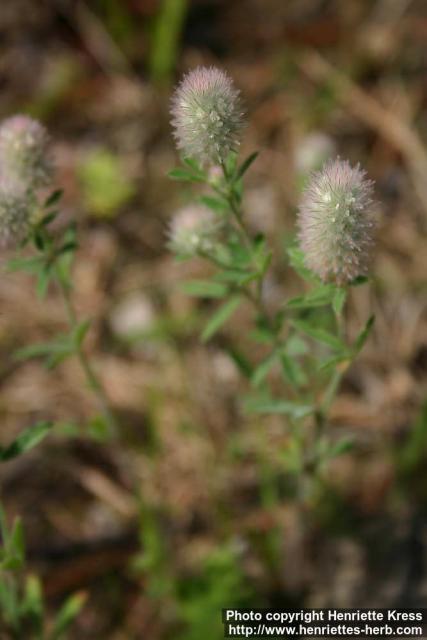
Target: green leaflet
320	335
205	288
220	317
267	405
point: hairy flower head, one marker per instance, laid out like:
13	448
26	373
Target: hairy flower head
206	115
193	229
16	207
335	222
24	153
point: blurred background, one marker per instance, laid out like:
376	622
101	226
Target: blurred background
177	517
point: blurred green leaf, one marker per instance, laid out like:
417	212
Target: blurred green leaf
322	295
56	350
80	332
220	317
240	277
292	370
338	300
246	164
334	360
67	614
184	175
284	407
30	265
26	440
194	165
53	198
43	280
318	334
204	288
263	369
340	448
297	261
165	38
363	335
412	452
32	604
295	346
217	204
241	362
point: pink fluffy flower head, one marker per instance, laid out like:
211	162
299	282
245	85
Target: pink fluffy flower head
24	153
206	115
336	223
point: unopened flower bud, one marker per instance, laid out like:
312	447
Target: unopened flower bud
193	230
16	207
206	115
335	222
24	153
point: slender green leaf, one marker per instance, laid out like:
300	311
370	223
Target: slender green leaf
263	369
241	362
165	38
194	166
220	317
292	371
363	335
30	265
62	346
239	277
48	218
296	346
271	406
53	198
205	288
26	440
262	335
184	175
246	164
80	332
341	447
17	540
43	280
320	335
297	261
334	360
217	204
67	247
412	452
318	297
9	604
339	299
231	164
32	605
67	614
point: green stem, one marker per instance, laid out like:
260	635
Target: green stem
93	381
245	236
334	382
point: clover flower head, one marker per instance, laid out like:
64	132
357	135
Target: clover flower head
206	115
24	152
335	222
16	207
193	230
